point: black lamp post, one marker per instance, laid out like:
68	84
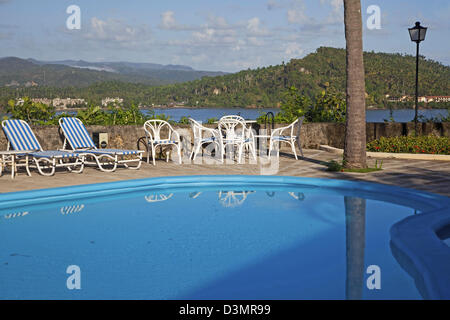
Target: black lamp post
417	34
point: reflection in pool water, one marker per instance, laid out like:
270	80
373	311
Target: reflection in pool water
232	199
158	197
207	242
72	209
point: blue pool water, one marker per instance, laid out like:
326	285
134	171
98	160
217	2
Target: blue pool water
205	238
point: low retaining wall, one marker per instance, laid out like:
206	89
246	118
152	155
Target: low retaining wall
312	134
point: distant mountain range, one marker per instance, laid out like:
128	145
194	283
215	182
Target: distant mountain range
389	77
16	72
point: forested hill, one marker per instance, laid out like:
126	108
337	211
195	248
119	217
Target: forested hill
392	74
17	73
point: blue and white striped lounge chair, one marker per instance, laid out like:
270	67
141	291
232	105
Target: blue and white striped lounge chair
21	138
78	139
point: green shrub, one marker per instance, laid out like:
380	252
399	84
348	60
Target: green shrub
328	106
334	166
212	120
411	144
31	112
184	120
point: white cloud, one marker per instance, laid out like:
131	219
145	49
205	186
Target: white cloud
205	35
337	11
296	13
293	50
200	58
168	20
335	4
115	30
254	28
273	4
296	16
217	22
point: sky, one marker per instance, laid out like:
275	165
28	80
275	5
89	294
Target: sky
227	35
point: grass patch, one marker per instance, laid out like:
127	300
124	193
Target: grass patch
335	166
364	170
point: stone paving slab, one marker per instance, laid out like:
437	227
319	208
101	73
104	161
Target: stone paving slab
431	176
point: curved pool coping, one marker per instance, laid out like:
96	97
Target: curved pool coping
409	197
418	249
414	240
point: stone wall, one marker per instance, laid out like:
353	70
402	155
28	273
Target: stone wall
312	134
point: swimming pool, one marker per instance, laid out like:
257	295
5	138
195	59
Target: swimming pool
222	237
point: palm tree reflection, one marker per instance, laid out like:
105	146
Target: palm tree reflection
355	221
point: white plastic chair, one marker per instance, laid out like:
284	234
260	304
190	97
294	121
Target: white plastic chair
203	135
286	135
153	132
233	132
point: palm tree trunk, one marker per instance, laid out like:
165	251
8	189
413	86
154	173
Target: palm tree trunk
355	132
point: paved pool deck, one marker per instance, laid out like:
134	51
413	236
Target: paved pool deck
431	176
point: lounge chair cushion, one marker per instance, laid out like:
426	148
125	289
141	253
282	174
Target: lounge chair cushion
111	151
54	154
164	141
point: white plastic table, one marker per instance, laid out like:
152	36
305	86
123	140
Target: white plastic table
246	121
10	157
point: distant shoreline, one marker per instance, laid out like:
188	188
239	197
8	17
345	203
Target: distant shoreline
175	107
259	108
197	107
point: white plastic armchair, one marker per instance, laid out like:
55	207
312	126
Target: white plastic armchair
234	132
286	135
204	135
155	138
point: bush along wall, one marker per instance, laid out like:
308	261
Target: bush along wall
410	144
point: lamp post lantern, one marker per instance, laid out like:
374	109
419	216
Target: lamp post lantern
417	34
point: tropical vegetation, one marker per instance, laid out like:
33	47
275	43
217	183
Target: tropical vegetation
41	114
323	70
411	144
